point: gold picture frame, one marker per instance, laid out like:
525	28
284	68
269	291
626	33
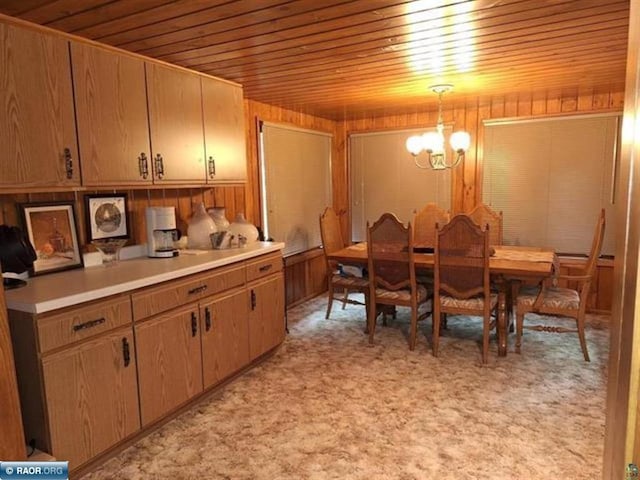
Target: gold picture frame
53	232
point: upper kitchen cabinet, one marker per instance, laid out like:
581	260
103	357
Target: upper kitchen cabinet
111	110
37	125
175	122
224	135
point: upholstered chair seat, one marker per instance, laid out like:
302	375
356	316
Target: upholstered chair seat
554	297
402	295
473	303
339	280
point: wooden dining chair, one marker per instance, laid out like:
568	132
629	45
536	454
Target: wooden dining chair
392	276
338	280
424	225
461	274
548	299
483	215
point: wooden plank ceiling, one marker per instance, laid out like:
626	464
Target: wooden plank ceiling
352	58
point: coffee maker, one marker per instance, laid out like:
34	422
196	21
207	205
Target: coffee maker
161	232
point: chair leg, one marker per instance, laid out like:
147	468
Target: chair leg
371	321
413	333
485	338
367	307
436	318
345	298
583	340
330	303
519	328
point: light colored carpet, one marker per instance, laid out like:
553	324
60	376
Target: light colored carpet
330	406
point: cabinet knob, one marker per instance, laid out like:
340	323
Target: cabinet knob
253	300
68	163
194	324
159	164
126	354
143	165
212	167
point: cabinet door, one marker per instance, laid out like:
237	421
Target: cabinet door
266	315
225	336
37	125
224	134
91	395
111	109
169	362
175	122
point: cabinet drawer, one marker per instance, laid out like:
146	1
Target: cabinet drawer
79	323
173	294
264	266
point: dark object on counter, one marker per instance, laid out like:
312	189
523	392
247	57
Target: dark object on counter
16	254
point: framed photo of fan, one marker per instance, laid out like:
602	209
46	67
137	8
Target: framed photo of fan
106	216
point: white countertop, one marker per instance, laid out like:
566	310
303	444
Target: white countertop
72	287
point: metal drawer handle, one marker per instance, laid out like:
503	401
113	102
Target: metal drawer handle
212	167
265	268
207	319
89	324
159	163
194	324
68	163
143	165
199	289
126	354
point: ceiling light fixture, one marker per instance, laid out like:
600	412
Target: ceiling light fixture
433	143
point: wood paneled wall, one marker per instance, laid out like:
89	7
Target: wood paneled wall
466	191
302	281
467	179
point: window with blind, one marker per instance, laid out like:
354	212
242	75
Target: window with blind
550	178
296	184
384	178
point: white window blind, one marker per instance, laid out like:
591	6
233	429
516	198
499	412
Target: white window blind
384	178
296	187
550	178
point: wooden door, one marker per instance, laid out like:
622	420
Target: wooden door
37	124
12	445
169	362
111	109
175	122
266	315
224	135
91	395
225	336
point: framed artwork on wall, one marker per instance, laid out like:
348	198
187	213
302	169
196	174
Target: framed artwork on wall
52	230
106	216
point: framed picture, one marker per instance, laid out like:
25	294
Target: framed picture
106	216
53	232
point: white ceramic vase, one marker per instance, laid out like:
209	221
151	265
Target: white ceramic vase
241	227
218	214
201	226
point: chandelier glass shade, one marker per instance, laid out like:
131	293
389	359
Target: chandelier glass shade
433	143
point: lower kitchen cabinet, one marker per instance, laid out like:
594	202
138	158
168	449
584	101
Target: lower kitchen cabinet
169	361
266	314
93	375
92	396
225	336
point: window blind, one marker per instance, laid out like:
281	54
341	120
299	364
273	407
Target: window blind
296	184
550	178
384	178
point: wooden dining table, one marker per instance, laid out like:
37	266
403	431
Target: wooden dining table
509	265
